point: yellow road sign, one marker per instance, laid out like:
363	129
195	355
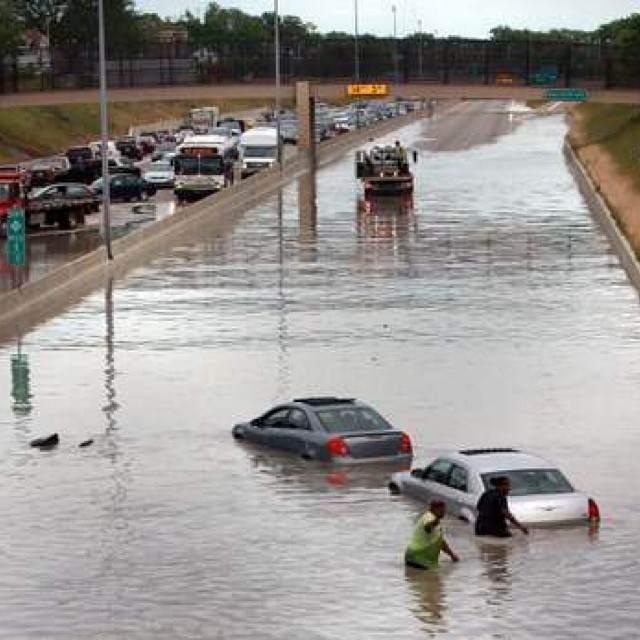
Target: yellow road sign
367	90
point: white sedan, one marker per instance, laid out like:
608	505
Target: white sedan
161	175
540	493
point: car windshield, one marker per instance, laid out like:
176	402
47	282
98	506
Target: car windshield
220	131
528	482
160	166
348	419
259	152
197	165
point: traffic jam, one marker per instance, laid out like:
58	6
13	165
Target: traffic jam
165	168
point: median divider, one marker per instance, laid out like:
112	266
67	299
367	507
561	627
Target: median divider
603	214
35	301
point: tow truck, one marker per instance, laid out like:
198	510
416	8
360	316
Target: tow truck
384	170
64	204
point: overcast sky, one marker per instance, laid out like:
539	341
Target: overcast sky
472	18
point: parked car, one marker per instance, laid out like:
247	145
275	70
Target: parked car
160	175
540	494
328	429
125	187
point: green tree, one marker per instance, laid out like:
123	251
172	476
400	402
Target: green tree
11	28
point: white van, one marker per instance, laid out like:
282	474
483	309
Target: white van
258	149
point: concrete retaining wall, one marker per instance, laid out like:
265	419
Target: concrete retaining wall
67	283
602	212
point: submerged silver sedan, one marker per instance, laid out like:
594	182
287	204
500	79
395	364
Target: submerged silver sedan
328	429
540	493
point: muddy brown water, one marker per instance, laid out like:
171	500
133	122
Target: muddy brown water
490	313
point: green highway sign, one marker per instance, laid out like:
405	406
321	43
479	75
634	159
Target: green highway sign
16	240
566	95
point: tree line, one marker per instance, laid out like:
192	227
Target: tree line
72	25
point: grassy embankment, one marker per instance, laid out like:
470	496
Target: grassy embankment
607	140
27	132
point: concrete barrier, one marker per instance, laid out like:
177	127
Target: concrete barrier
602	212
70	281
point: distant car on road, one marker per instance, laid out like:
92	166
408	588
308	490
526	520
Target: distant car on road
160	175
125	187
328	429
540	493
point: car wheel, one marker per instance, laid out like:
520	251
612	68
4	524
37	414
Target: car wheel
394	489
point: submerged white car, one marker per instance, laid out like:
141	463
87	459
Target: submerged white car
540	493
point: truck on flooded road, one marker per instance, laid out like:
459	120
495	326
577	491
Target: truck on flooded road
64	205
258	149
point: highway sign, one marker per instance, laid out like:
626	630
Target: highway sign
16	242
566	95
367	90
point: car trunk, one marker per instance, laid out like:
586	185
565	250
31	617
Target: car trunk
555	508
376	444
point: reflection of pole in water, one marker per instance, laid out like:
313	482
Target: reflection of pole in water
284	372
111	405
307	208
20	382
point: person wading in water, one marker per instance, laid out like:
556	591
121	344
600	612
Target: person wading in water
427	539
493	511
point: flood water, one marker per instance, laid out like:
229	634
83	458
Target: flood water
492	313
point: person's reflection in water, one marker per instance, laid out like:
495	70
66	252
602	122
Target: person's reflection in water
495	557
430	604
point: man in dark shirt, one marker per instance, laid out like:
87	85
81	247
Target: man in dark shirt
493	511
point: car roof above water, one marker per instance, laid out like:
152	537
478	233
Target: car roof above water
489	461
326	402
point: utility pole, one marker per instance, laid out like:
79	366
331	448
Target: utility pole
277	61
104	133
420	73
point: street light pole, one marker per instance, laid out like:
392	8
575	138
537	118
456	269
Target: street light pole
104	133
357	45
395	43
277	61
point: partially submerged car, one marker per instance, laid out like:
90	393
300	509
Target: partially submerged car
328	429
540	493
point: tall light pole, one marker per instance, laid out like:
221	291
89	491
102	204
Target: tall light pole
104	133
277	61
394	10
420	50
357	44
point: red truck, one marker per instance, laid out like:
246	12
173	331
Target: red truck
64	204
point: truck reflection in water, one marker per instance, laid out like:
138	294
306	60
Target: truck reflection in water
44	252
386	217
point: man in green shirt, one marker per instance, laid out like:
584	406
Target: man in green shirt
427	539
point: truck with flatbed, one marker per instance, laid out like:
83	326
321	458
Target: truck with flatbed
64	205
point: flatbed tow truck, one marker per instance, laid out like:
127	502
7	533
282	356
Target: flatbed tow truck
384	170
61	207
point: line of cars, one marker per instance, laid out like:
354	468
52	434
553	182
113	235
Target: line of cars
334	120
345	431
